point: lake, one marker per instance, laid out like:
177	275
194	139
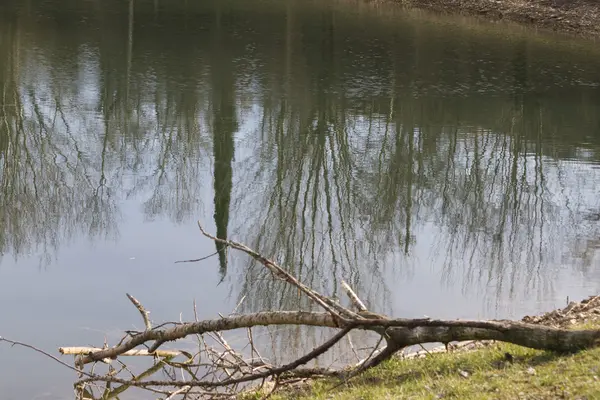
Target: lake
443	166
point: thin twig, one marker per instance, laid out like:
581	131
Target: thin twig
352	347
198	259
363	362
15	343
423	347
253	349
275	386
386	353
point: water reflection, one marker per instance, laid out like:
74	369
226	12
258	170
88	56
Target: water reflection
225	125
51	188
428	169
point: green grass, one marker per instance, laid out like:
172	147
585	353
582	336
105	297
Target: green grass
480	374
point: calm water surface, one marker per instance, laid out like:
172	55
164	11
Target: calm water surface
443	167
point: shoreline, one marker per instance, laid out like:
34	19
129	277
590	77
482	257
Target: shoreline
474	369
575	313
577	17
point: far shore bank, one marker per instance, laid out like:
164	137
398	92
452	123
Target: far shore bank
578	17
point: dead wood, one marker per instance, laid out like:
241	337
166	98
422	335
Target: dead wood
78	351
403	332
210	371
398	333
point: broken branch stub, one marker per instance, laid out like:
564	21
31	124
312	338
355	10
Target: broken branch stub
142	311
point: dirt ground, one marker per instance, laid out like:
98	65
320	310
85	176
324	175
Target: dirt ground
579	17
587	310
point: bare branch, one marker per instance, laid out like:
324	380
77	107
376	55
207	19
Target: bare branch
277	270
223	324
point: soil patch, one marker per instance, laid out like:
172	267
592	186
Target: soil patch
576	313
580	17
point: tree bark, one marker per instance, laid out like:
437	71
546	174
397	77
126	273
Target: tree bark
532	336
400	332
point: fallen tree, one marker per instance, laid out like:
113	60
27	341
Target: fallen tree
211	373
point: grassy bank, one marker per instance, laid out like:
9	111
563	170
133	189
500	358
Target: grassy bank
481	374
490	371
580	17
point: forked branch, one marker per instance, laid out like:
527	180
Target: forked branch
214	373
